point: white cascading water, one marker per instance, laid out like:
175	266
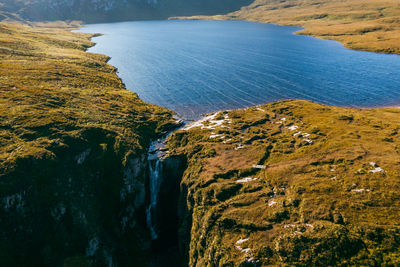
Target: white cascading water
155	179
154	158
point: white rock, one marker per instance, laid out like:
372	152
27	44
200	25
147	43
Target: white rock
246	180
360	190
293	127
226	141
246	250
289	226
212	122
377	169
272	203
240	146
213	135
252	261
240	241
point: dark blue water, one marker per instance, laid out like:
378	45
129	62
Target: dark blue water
194	67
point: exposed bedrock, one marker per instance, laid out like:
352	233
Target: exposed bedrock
163	216
80	204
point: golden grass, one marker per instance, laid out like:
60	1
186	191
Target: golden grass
372	25
317	201
50	88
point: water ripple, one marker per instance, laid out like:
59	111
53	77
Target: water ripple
195	67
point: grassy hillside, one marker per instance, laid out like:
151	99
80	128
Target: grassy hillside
330	193
73	147
372	25
51	88
73	165
112	10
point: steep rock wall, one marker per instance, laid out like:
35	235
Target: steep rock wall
291	183
73	147
79	204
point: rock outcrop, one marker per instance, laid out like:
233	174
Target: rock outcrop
291	183
73	154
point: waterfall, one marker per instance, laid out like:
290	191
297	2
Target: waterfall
164	175
156	161
155	178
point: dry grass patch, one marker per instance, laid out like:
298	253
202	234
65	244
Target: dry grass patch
330	194
51	88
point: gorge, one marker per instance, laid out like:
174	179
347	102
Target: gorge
224	204
87	177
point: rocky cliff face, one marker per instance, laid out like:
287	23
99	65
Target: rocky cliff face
79	204
116	10
165	212
291	183
73	154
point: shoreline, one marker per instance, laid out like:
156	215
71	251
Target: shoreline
299	32
333	172
314	156
363	26
94	35
74	142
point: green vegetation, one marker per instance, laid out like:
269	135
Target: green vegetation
372	25
330	194
91	11
73	146
73	168
51	90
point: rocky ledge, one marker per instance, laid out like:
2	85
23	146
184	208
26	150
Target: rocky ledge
291	183
73	153
288	183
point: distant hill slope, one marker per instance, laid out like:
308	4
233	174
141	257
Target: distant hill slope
372	25
113	10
